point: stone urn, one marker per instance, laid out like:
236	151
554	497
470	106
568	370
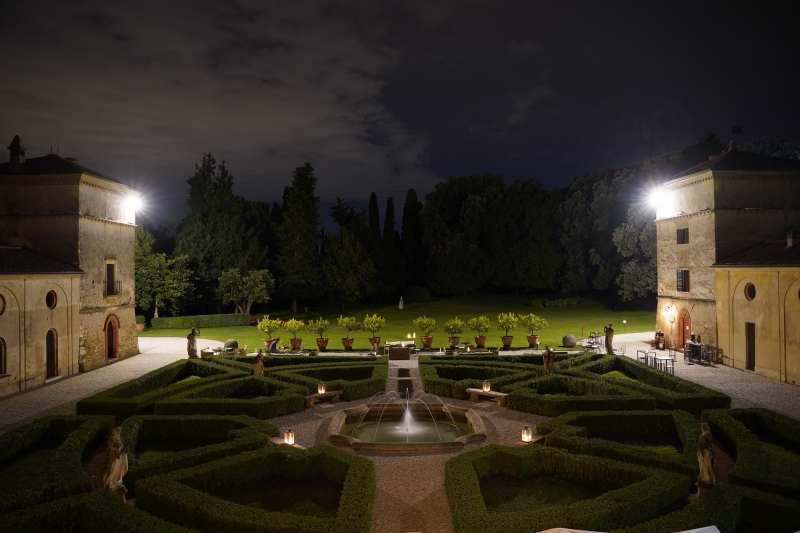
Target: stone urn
296	343
374	341
507	340
569	341
347	342
322	344
268	341
480	342
427	341
453	341
140	327
533	340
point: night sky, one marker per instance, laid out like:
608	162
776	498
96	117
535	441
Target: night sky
383	96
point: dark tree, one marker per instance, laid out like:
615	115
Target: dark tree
374	216
388	222
413	249
342	213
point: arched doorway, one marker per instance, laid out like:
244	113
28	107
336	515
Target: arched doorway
112	337
684	328
52	354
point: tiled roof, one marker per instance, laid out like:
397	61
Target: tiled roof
741	160
767	253
51	164
15	260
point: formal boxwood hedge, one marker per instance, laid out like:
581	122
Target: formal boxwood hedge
524	359
452	380
555	394
732	509
245	364
671	392
200	321
138	396
743	432
186	496
633	493
272	398
240	433
357	380
98	512
80	434
598	433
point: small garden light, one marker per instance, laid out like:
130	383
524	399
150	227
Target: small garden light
486	385
623	325
288	437
321	388
408	335
527	433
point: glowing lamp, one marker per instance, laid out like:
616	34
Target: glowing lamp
321	387
414	335
468	349
527	434
408	335
288	437
486	385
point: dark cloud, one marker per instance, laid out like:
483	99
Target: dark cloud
383	96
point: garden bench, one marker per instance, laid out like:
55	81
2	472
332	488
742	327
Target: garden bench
475	395
311	399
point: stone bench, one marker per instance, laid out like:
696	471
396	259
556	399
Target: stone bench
476	395
312	399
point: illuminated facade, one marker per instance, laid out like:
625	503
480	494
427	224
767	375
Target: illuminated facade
705	214
58	209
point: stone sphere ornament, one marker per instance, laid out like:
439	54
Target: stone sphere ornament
569	341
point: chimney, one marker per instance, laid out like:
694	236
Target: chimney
17	155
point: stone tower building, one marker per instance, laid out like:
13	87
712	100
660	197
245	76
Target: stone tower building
69	215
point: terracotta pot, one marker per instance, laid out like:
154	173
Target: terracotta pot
480	342
453	341
347	343
507	340
268	341
533	339
374	341
427	341
140	327
296	343
322	344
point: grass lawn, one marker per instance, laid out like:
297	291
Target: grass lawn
562	320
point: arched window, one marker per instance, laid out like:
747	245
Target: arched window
51	300
750	292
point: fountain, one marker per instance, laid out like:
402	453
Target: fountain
391	422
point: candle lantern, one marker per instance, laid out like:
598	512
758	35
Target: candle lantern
414	335
288	437
321	387
486	385
408	335
468	349
527	433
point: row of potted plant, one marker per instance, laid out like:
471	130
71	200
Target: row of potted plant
374	323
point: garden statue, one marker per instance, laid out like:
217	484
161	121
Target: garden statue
117	465
273	347
400	305
258	366
705	459
609	331
191	344
547	359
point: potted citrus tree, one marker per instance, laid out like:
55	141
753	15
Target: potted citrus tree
426	325
269	326
533	323
506	322
348	324
319	327
295	326
480	325
374	324
453	328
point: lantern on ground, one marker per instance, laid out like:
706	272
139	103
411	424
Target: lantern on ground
288	437
486	385
527	433
414	335
468	349
321	388
408	335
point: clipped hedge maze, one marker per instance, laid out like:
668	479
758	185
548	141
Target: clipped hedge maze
453	379
138	396
660	439
161	444
245	364
187	496
766	446
43	460
632	493
254	396
357	380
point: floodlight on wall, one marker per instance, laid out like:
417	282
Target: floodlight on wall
527	433
288	437
131	204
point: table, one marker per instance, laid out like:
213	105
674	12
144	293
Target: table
698	351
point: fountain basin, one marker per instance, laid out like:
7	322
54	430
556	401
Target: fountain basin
391	431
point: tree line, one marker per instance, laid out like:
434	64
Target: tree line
472	234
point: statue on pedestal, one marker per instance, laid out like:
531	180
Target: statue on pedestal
705	460
258	366
547	359
609	331
191	343
400	305
117	465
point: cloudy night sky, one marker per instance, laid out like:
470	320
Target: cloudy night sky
384	96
